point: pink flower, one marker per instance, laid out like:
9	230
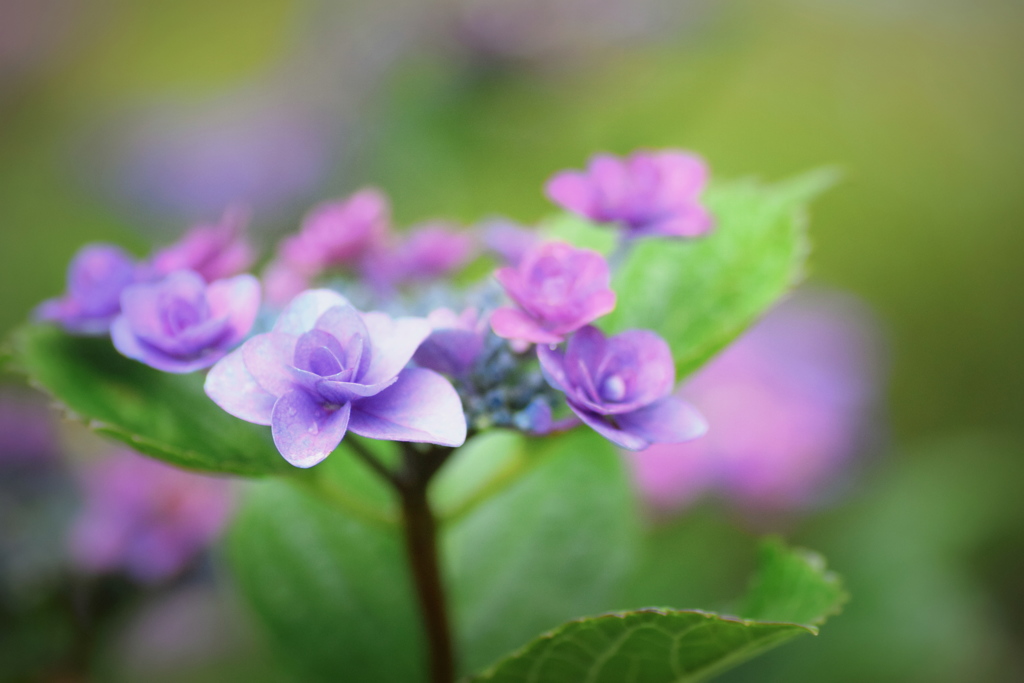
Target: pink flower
648	193
558	288
214	251
338	233
146	518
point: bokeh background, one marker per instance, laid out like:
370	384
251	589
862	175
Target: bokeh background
126	121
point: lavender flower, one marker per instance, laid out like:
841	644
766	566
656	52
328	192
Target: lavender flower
622	387
145	518
559	289
325	368
432	250
339	233
180	324
649	194
214	251
789	403
96	277
455	343
509	240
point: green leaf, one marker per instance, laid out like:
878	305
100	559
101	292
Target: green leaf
555	542
678	646
330	587
160	414
700	294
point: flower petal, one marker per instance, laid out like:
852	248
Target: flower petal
231	386
670	420
511	323
129	344
305	432
305	309
392	345
421	406
343	392
237	298
571	190
552	364
604	426
269	358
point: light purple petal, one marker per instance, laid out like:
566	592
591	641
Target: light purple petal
422	406
237	298
268	358
603	426
670	420
552	364
343	392
345	324
392	344
231	386
305	432
305	309
571	190
511	323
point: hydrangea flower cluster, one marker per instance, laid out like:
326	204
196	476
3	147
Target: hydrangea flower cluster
420	372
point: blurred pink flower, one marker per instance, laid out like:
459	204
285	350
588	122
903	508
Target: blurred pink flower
788	404
145	518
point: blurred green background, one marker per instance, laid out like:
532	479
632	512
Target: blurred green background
919	103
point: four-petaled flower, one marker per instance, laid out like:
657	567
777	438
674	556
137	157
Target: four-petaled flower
648	193
214	251
622	387
326	368
180	324
96	277
559	290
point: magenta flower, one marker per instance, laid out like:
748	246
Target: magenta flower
622	387
326	368
214	251
282	282
146	518
96	277
339	233
558	288
790	402
180	324
455	343
648	193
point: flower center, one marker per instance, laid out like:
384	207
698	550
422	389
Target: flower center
613	389
179	315
324	363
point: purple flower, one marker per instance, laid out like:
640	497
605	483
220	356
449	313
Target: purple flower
326	368
27	434
509	240
283	282
622	387
789	402
433	250
559	289
455	343
96	277
339	233
181	324
214	251
146	518
648	193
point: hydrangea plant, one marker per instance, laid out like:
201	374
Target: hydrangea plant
437	489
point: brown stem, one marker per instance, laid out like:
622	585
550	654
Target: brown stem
421	544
